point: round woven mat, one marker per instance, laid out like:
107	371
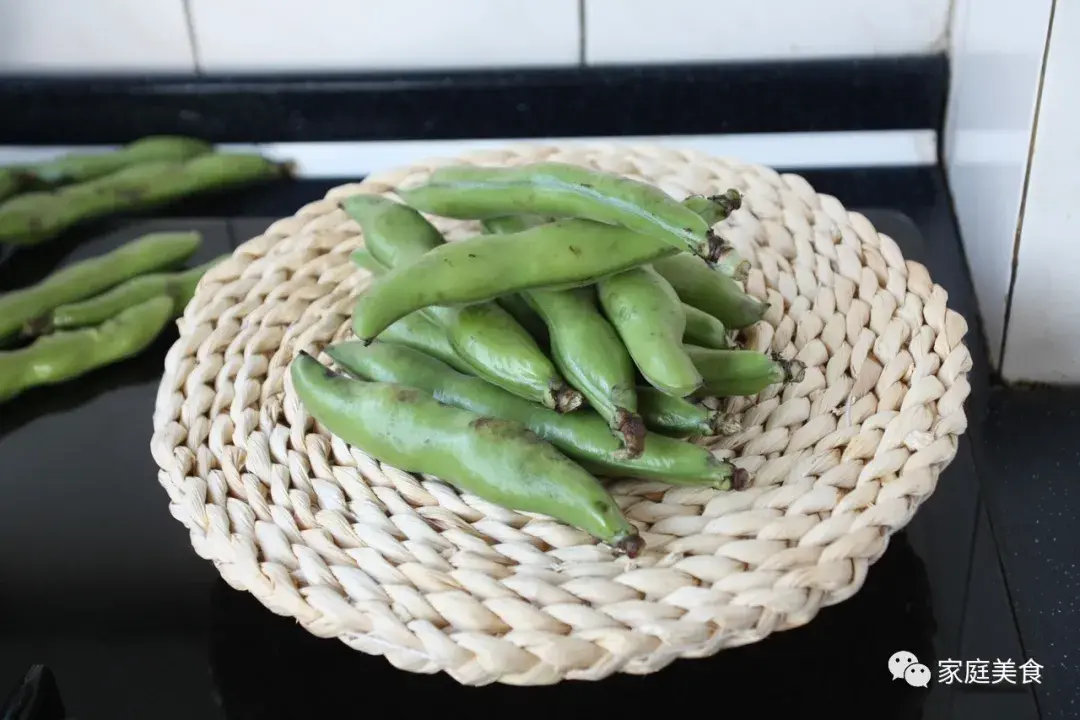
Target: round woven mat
406	567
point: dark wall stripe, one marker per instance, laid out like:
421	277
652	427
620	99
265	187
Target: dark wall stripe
869	94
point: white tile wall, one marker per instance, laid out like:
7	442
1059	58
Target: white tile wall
635	31
352	35
1043	342
94	36
139	36
997	51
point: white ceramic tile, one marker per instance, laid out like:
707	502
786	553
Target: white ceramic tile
996	53
357	35
94	36
637	31
1043	341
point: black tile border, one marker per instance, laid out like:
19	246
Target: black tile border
890	93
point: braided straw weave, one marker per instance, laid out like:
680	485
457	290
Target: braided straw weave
435	580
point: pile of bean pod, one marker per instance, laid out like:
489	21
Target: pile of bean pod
95	312
103	310
39	202
574	338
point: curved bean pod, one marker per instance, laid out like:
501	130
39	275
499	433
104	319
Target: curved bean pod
559	255
80	167
498	460
415	330
484	335
516	304
67	355
36	217
680	417
710	291
712	210
564	191
649	318
587	350
89	277
589	353
728	373
704	330
582	435
179	286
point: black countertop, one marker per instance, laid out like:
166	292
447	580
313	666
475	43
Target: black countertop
100	584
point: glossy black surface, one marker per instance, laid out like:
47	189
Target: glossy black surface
1029	455
887	93
101	585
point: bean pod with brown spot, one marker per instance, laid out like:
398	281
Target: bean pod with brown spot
498	460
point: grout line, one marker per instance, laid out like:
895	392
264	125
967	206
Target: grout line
1015	269
189	20
581	31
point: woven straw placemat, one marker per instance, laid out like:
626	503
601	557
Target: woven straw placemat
406	567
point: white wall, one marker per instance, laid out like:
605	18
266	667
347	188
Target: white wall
1013	158
137	36
1043	341
996	51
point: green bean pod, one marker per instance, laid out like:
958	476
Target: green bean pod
729	373
13	181
498	460
564	191
649	318
585	348
87	278
712	210
704	330
67	355
559	255
516	304
710	291
80	167
416	330
590	355
485	335
421	333
526	317
681	418
362	258
583	435
179	286
37	217
488	338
